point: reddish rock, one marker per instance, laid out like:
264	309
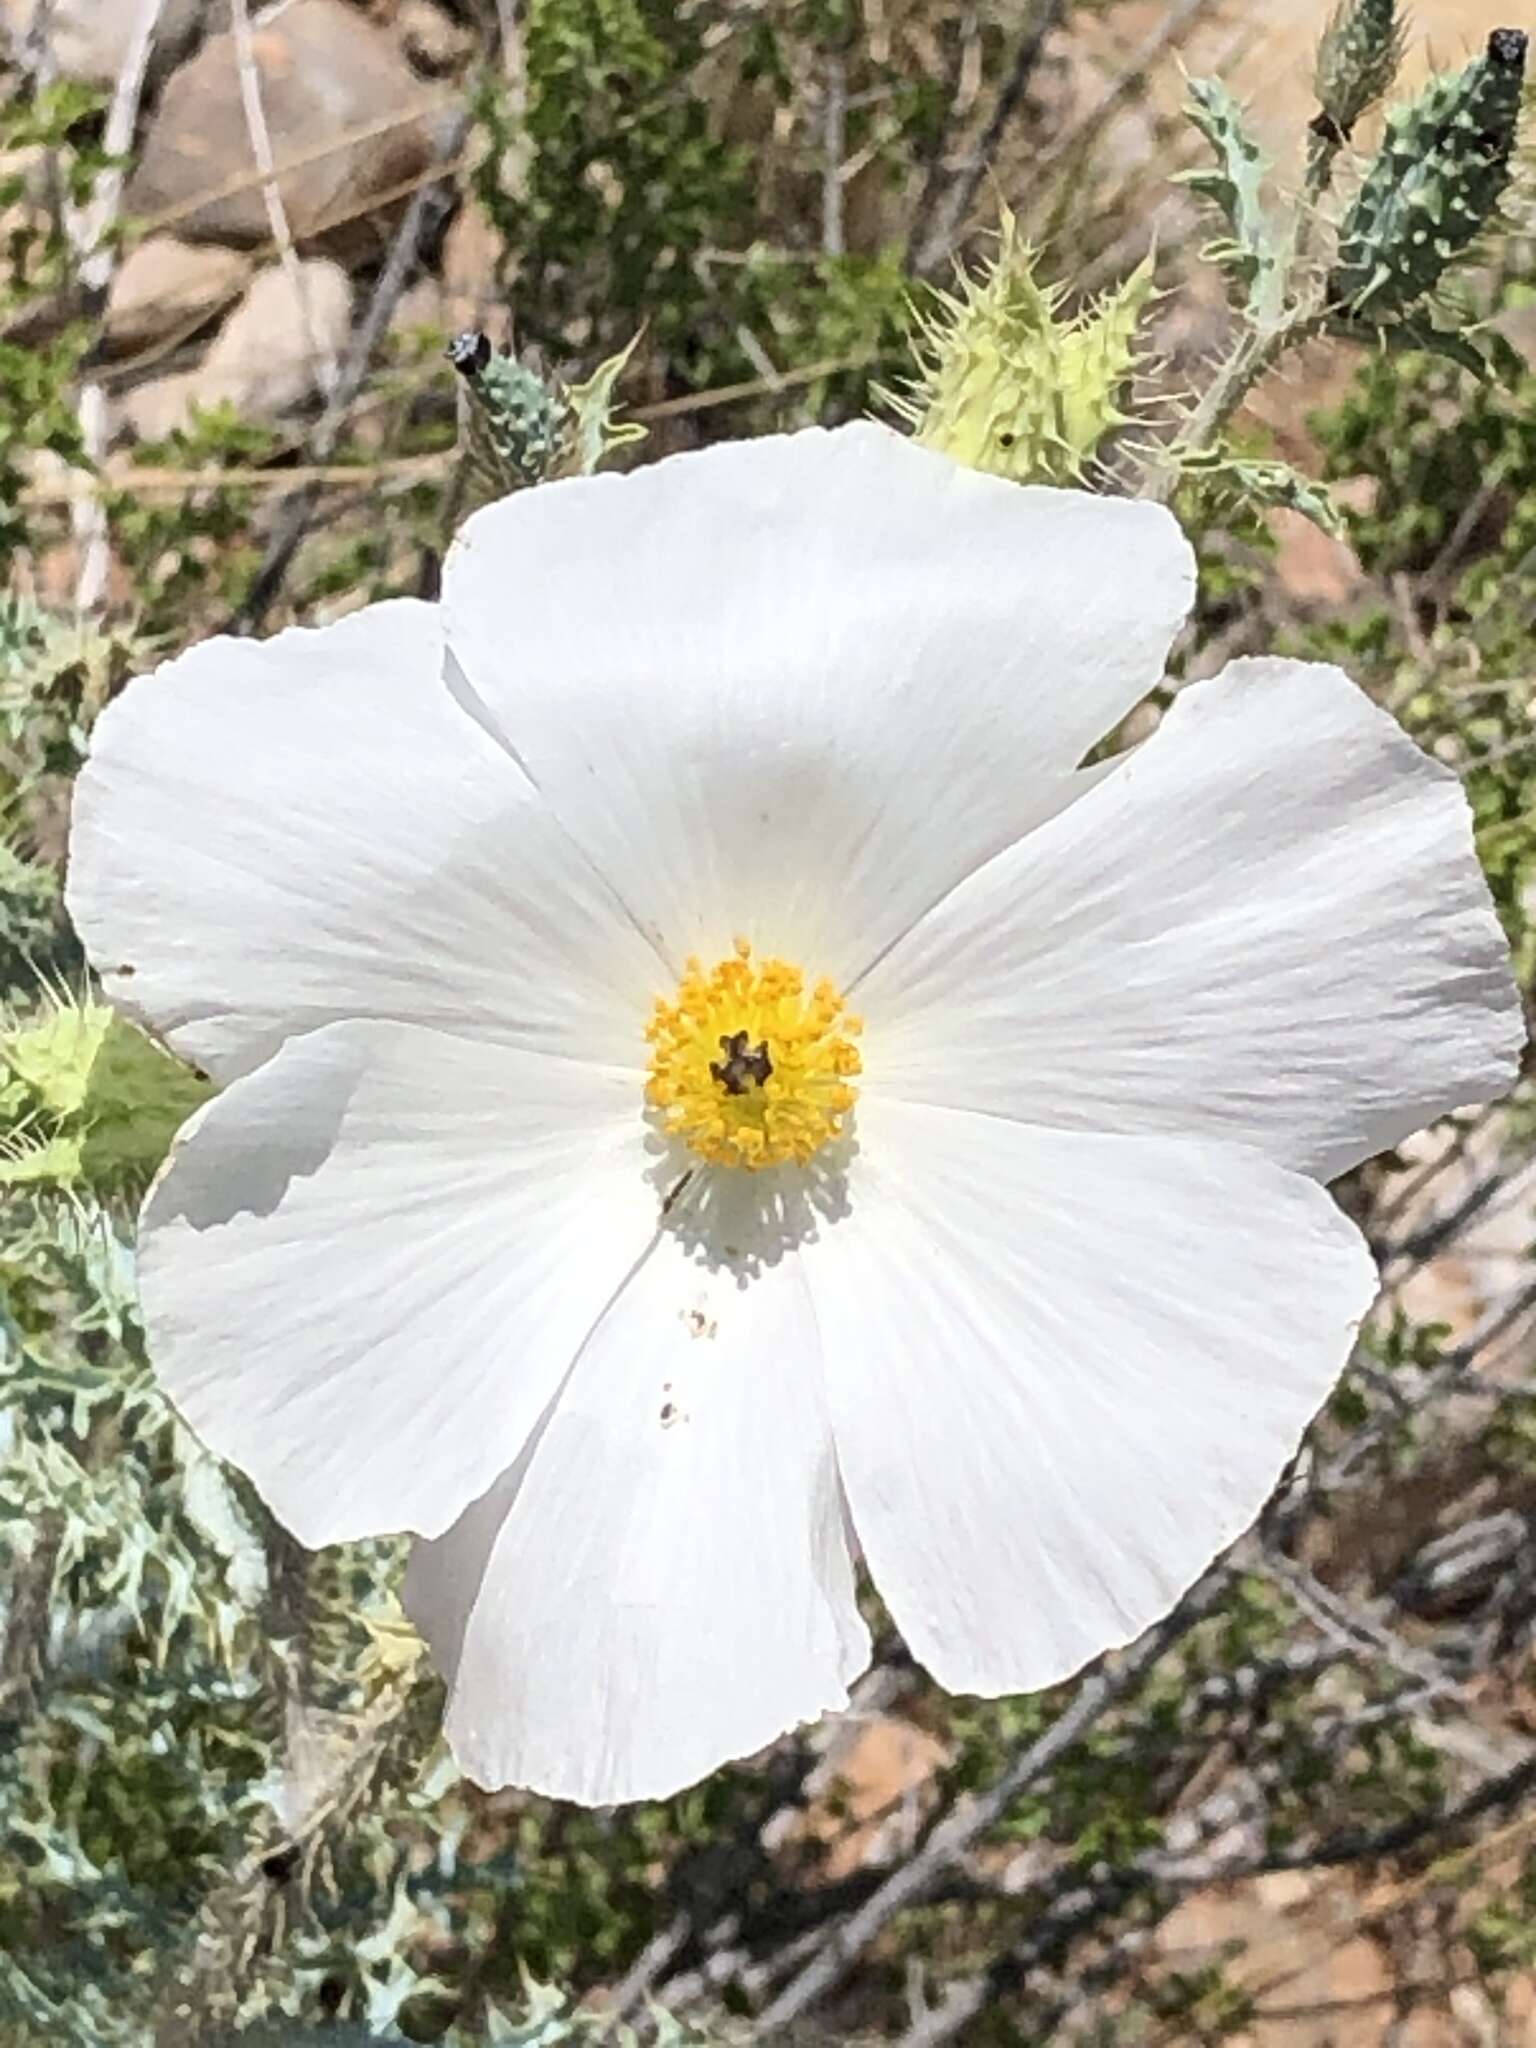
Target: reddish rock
1314	568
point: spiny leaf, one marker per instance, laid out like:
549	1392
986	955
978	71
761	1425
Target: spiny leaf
1254	251
593	432
1260	485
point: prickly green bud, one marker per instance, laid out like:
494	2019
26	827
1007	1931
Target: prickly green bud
1254	250
1006	386
90	1103
518	428
1357	60
1432	186
510	419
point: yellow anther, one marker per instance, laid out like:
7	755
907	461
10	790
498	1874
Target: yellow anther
749	1069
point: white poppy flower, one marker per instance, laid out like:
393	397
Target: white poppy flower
650	1336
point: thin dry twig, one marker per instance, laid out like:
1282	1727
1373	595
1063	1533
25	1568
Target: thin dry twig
834	147
96	248
639	1981
151	480
271	192
954	210
955	1836
294	518
1129	79
517	161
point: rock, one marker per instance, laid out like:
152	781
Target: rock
1316	1980
165	287
90	38
350	122
158	409
275	351
864	1801
263	363
436	44
1314	568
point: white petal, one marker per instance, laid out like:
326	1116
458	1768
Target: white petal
1065	1371
373	1260
665	1584
269	836
1268	924
795	688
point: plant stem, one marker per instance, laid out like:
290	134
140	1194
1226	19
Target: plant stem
1255	353
1323	145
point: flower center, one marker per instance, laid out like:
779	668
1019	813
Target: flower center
747	1066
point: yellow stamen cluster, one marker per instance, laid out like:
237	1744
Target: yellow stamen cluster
748	1067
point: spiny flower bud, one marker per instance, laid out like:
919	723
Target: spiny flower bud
91	1104
518	428
1357	61
1006	386
1433	185
510	419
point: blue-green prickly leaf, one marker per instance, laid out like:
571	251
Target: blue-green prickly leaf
1254	249
1259	484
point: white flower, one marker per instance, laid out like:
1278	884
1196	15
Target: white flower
1032	1328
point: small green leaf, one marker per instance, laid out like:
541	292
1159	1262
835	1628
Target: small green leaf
93	1102
592	430
1254	251
1260	485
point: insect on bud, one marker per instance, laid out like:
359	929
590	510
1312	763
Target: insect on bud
470	353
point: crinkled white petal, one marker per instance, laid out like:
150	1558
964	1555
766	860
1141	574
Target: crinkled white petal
1267	924
663	1584
372	1261
796	688
270	836
1064	1371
